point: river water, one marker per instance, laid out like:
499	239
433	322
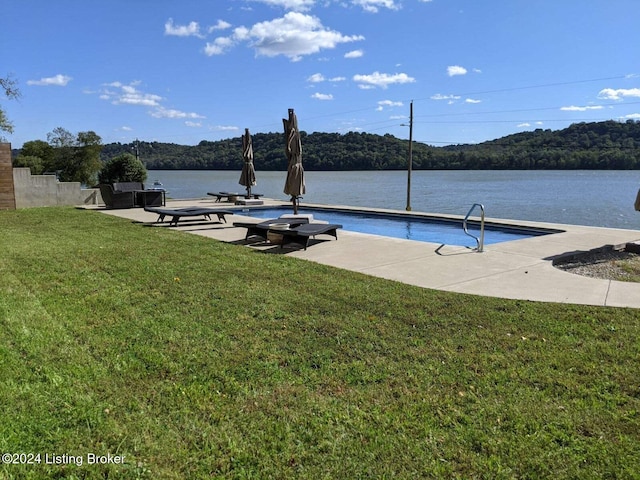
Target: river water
580	197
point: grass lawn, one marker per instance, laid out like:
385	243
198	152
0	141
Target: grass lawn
198	359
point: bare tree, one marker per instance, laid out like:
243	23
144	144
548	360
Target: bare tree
9	87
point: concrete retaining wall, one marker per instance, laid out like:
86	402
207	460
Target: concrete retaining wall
46	191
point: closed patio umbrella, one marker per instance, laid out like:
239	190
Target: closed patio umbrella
248	175
294	185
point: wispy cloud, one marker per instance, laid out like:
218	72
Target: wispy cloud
574	108
354	54
382	80
293	35
119	93
374	6
322	96
225	128
57	80
319	78
440	96
190	30
382	104
472	100
296	5
162	112
316	78
122	94
618	94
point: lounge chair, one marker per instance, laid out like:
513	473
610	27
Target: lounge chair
299	231
228	195
302	233
262	229
177	213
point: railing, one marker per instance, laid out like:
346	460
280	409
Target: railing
479	240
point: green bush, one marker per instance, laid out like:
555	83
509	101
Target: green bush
32	162
123	168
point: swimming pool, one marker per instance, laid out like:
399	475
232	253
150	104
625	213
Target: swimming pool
423	229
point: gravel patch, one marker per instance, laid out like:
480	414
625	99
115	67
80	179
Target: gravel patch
601	264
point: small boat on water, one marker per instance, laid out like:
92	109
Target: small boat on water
157	185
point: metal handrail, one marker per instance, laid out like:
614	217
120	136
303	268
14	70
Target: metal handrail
480	240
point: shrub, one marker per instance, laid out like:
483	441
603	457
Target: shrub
123	168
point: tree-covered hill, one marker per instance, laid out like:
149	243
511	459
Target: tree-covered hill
597	145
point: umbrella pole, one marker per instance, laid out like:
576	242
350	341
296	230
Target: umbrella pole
294	200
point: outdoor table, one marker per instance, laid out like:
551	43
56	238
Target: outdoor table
151	197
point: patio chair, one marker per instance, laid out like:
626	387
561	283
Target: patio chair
116	199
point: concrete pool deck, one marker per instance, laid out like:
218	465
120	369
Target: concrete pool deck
520	269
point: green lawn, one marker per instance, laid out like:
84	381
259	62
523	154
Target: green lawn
197	359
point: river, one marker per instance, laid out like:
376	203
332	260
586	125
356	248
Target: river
580	197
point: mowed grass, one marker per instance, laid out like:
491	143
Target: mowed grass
197	359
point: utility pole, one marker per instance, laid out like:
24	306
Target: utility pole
410	157
137	151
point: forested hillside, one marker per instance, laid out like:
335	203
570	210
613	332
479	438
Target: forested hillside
600	145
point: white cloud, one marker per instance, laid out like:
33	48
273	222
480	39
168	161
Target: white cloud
439	96
316	78
190	30
382	80
219	46
337	79
388	103
633	116
472	100
295	5
618	94
293	36
122	94
354	54
193	124
574	108
322	96
456	70
524	125
225	128
374	5
130	95
57	80
162	112
221	25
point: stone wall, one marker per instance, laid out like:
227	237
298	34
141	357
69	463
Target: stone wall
46	191
7	195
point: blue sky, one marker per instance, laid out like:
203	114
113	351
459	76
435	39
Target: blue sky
192	70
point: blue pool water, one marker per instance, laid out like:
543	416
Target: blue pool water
411	228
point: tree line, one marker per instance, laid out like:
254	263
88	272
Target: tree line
596	145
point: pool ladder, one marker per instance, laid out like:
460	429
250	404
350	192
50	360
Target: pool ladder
480	239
